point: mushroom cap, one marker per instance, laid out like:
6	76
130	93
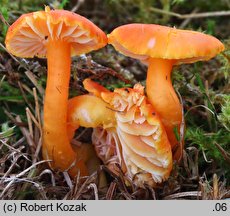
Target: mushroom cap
28	35
142	41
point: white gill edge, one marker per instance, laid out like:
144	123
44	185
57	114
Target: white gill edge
157	159
68	32
127	117
23	41
149	167
59	29
36	31
27	34
126	127
82	40
126	139
79	33
148	140
27	50
49	28
128	53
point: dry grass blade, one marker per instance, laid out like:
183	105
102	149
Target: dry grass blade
192	163
90	179
225	154
205	157
37	108
48	171
3	47
13	150
32	78
68	180
15	160
94	187
23	87
30	168
2	79
27	135
17	177
32	117
215	187
28	115
153	193
17	180
182	128
121	181
196	194
78	4
4	20
111	190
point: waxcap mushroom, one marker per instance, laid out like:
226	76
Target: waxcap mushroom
56	35
29	35
162	47
156	41
127	131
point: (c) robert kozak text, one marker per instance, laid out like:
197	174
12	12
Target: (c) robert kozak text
59	207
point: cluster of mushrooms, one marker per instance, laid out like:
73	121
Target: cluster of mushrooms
132	129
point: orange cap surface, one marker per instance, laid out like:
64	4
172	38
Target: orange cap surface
28	36
142	41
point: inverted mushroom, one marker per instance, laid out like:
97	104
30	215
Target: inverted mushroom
56	35
162	47
127	131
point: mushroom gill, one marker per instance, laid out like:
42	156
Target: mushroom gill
137	140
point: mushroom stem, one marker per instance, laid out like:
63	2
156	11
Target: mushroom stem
56	145
163	97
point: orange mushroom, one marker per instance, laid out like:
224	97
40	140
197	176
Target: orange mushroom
127	131
162	47
56	35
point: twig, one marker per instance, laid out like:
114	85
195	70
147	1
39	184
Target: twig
191	16
186	21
